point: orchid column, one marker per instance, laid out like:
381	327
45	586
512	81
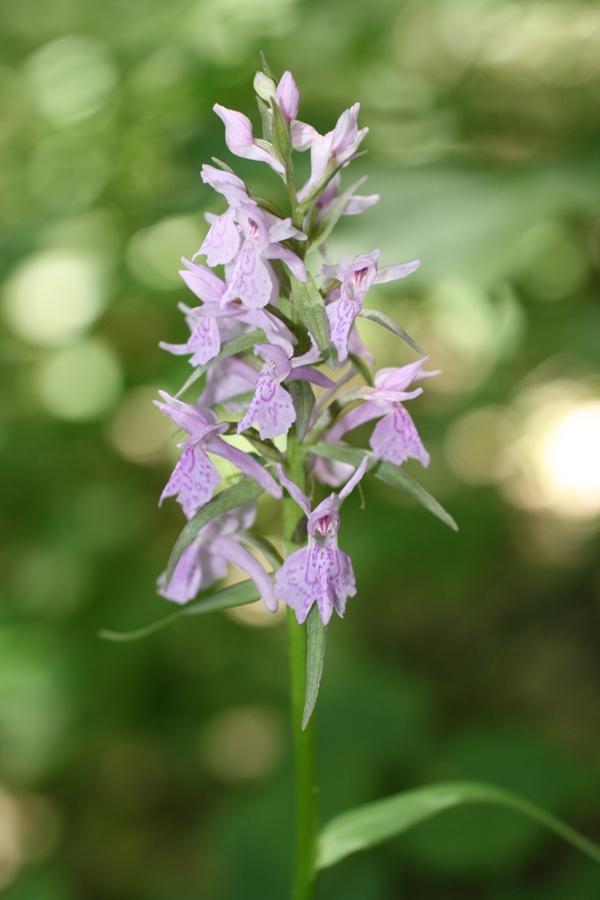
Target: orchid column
274	351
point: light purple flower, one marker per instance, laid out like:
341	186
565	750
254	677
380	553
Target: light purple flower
240	140
204	342
338	145
395	438
195	478
250	280
345	303
211	290
205	560
271	406
320	572
223	239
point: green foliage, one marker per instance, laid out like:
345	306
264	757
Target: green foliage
316	637
369	825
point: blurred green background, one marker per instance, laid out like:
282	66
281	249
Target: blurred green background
161	770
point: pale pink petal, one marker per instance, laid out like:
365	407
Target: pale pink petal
293	490
395	439
222	241
196	569
392	273
231	551
358	204
295	583
250	282
246	464
357	416
287	96
240	140
271	407
293	262
302	135
351	484
233	188
204	283
345	131
226	379
194	480
340	316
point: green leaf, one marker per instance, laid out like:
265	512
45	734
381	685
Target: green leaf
326	225
243	490
311	307
265	118
270	553
267	68
280	134
358	363
265	447
237	345
381	319
368	825
315	654
387	472
236	595
304	400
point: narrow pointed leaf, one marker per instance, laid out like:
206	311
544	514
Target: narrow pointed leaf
235	595
381	319
326	225
315	654
388	472
368	825
304	401
237	345
267	68
358	363
265	118
270	553
311	307
265	447
243	490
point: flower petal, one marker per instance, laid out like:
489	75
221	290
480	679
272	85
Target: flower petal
395	439
194	480
246	464
231	551
250	282
222	241
271	407
287	96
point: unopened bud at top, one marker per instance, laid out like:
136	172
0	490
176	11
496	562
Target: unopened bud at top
264	86
287	96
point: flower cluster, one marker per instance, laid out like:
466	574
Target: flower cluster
262	334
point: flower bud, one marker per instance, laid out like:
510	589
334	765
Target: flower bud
264	86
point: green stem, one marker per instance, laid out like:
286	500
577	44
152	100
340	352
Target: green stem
307	816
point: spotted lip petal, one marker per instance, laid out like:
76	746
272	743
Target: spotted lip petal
320	573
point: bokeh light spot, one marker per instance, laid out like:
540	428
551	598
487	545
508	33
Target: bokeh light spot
79	382
53	296
137	430
242	744
72	78
68	173
476	442
154	253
